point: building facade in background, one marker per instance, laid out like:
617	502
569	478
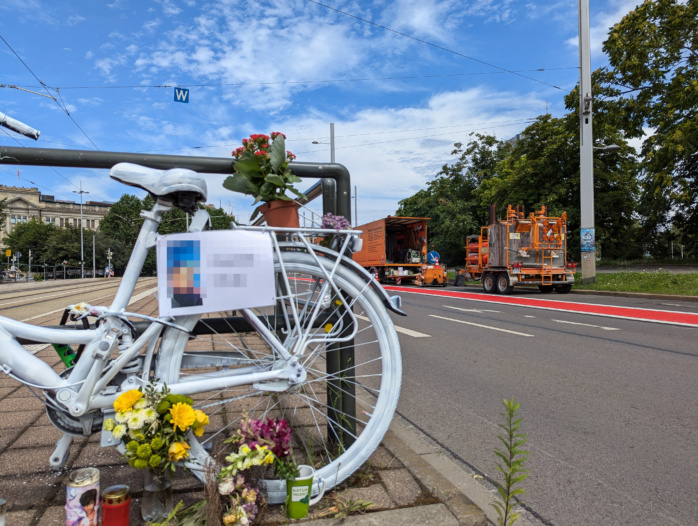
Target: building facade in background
24	204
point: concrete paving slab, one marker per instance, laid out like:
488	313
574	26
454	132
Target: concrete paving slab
38	436
433	514
27	461
22	492
19	518
21	419
384	459
400	443
8	436
401	486
95	455
376	494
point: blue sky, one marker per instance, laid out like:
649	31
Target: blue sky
401	80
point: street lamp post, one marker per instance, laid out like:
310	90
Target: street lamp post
82	227
586	151
331	142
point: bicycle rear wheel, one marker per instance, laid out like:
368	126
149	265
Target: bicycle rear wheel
374	372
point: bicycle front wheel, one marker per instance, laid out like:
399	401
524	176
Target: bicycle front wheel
320	321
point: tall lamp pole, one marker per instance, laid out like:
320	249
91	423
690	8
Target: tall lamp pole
586	149
82	226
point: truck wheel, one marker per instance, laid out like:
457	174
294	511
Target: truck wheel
488	283
503	285
545	288
563	289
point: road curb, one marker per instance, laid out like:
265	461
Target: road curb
410	449
640	295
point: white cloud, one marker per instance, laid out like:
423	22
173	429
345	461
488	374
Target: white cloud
74	20
391	152
602	22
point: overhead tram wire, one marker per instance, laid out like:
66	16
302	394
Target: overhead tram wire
434	45
61	104
486	124
312	81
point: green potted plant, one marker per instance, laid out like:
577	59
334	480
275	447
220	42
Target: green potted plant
261	170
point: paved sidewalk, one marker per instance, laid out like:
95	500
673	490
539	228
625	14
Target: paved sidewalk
400	480
405	479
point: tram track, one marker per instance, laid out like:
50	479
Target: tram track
25	299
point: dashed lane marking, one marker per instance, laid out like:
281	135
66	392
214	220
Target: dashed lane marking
471	310
483	326
408	332
587	325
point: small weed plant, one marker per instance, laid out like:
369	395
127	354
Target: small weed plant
512	465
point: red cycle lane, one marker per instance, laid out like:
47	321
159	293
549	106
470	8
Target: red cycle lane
628	313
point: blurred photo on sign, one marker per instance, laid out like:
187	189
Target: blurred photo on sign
214	271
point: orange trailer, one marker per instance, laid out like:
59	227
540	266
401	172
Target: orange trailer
520	251
395	250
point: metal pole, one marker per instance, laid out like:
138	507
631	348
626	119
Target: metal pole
356	207
82	229
332	142
94	261
586	150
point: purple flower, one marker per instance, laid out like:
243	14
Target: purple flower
336	222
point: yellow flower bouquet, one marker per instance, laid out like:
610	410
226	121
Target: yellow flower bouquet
153	424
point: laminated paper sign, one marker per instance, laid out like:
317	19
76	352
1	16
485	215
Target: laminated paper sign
214	271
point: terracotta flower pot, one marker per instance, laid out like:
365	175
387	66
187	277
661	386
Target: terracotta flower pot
281	214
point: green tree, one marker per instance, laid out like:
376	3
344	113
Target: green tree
63	245
451	199
653	81
121	225
542	168
33	235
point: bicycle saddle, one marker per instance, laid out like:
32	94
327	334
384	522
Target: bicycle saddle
161	183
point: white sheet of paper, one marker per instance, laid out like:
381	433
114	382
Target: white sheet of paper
214	271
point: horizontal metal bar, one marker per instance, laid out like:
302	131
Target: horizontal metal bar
99	159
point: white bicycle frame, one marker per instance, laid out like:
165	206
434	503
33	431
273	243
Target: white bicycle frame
86	390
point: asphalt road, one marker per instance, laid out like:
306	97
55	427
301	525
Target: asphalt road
609	405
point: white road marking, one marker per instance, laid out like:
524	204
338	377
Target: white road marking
408	332
471	310
483	326
673	304
528	316
587	325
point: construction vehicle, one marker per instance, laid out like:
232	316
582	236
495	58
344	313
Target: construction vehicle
520	251
394	249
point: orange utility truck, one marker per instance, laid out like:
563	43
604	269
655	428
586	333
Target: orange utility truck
520	251
395	250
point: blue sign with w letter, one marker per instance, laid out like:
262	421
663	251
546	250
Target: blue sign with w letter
181	95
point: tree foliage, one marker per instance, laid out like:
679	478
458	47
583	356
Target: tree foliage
451	200
653	82
540	167
123	223
117	232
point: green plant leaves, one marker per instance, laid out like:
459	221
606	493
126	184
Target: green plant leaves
278	153
513	459
239	183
